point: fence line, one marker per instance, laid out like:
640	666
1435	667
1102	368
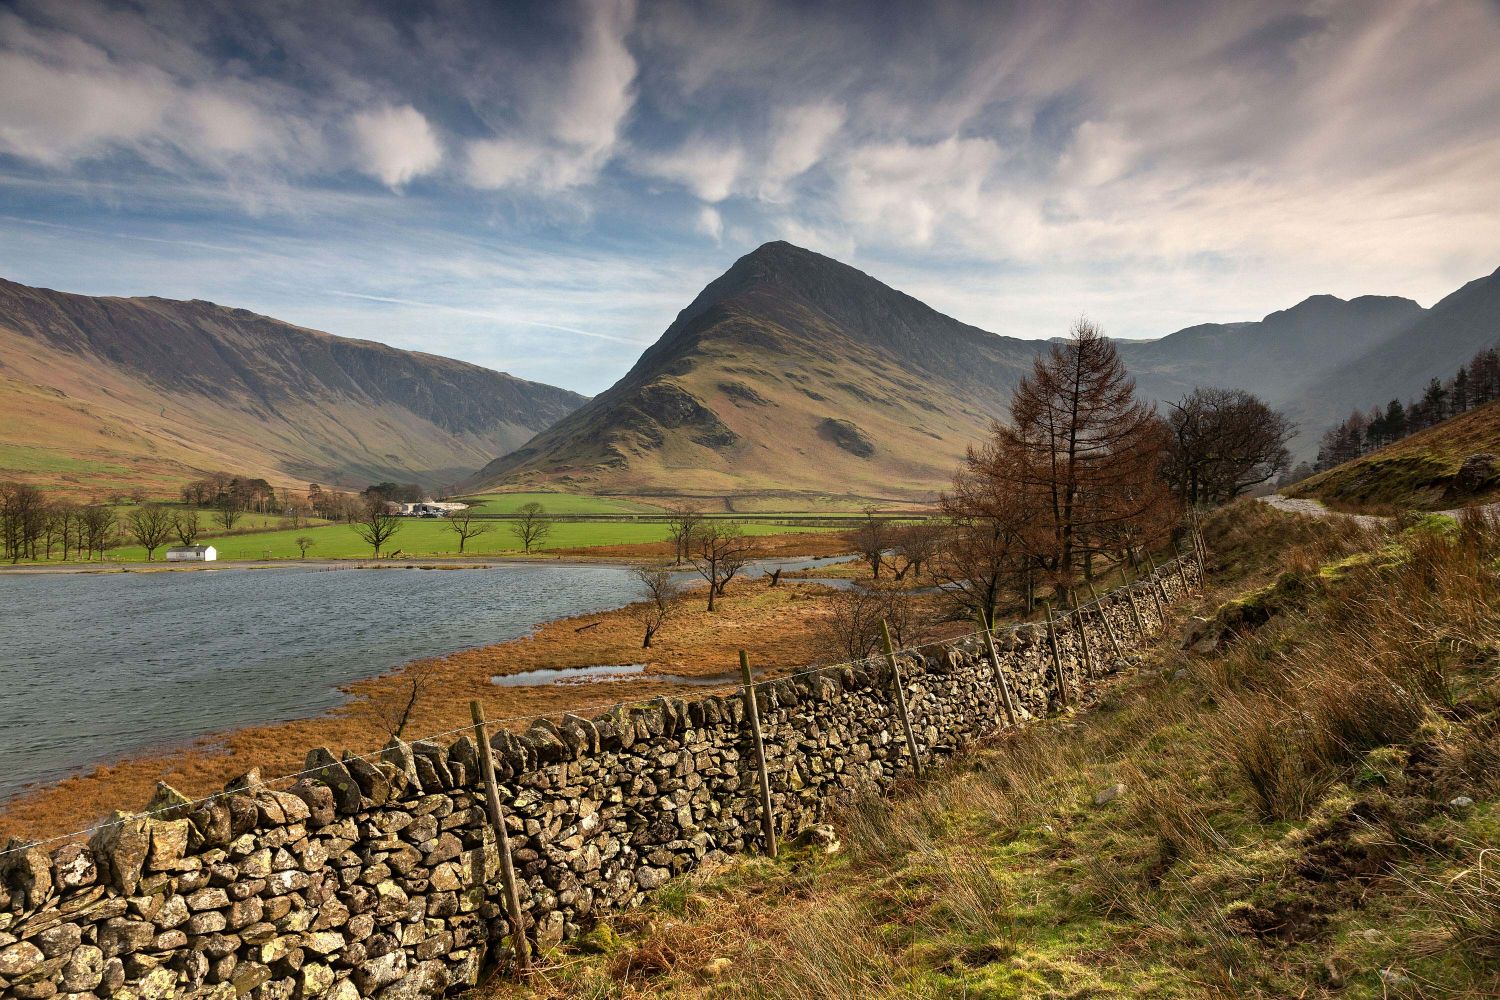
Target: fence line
728	686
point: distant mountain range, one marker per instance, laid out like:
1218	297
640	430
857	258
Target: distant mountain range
790	372
119	394
794	371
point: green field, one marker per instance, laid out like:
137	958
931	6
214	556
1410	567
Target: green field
556	503
422	537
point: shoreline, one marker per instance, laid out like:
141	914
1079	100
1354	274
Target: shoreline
775	625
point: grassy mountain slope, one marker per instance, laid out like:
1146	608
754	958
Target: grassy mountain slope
1296	813
1419	472
122	394
790	371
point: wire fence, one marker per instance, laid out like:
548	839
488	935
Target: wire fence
604	707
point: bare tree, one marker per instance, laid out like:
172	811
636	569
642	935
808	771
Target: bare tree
912	546
683	519
415	683
151	524
376	524
719	550
23	517
97	525
531	525
66	518
1223	442
303	544
663	595
187	527
463	524
870	539
228	511
851	631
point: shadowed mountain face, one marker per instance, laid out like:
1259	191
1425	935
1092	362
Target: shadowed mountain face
1433	345
105	393
794	371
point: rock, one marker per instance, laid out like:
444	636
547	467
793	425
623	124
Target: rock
1105	796
379	972
1476	472
120	848
248	976
651	878
73	867
717	967
1461	803
1390	977
20	958
27	870
59	939
84	969
822	837
322	766
123	936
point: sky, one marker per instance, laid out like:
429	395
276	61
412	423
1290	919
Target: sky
539	188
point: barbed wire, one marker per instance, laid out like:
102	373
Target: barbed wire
606	707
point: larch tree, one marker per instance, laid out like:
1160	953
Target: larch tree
1081	454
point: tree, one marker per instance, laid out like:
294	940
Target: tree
682	519
463	524
98	523
66	519
228	511
303	544
870	538
187	527
663	595
719	550
23	517
851	630
151	524
1222	443
1081	454
913	546
531	525
376	524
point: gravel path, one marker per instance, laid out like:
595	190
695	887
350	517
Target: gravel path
1315	508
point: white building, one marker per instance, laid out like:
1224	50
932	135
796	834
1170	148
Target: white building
192	553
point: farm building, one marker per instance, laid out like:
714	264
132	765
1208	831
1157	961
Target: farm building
192	553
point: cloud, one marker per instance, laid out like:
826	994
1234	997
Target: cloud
710	223
397	143
707	168
799	138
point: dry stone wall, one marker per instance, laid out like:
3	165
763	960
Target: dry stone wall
380	877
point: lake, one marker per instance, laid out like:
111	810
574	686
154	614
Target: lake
94	667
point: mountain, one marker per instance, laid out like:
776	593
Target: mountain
120	394
791	371
1432	346
795	371
1277	357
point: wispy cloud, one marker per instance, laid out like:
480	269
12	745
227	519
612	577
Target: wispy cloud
470	170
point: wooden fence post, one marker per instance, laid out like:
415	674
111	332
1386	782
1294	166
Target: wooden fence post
1082	625
1000	681
1057	667
911	739
767	817
1109	628
1157	591
514	913
1135	611
1181	573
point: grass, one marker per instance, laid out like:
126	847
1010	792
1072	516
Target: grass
557	503
21	459
1414	473
1290	827
423	537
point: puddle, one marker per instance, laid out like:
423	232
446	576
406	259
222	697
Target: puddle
604	674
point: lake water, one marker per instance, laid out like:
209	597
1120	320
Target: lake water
94	667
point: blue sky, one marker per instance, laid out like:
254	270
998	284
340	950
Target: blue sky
539	188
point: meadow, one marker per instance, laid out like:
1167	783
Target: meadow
433	537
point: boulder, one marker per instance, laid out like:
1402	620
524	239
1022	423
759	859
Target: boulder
1476	472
